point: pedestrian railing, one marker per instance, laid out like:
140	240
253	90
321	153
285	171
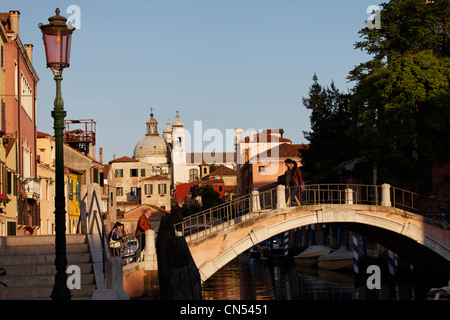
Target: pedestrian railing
129	248
279	197
404	199
221	215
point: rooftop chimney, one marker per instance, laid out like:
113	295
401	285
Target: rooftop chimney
14	20
29	49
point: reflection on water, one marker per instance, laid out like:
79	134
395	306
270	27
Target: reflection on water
247	278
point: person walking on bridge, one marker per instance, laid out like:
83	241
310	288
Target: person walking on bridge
295	181
177	216
142	226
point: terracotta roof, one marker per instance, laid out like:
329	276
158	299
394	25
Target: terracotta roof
40	134
223	171
4	17
285	150
156	177
124	159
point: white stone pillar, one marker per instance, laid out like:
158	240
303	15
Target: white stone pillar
348	196
255	201
386	195
281	197
150	259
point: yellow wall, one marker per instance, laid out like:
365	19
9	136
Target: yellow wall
74	201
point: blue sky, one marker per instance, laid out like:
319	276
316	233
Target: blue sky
228	63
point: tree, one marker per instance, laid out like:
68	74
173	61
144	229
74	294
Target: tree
407	27
210	197
401	96
330	118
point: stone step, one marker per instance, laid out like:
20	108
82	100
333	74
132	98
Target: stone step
30	270
41	249
41	240
41	281
72	258
40	269
43	292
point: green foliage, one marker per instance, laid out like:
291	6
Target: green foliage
210	197
330	117
401	96
397	115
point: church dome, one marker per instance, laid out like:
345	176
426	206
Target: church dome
152	144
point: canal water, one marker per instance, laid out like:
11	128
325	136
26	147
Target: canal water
252	278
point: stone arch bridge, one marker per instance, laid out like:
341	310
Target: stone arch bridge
387	214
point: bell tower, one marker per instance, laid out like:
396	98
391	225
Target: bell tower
179	167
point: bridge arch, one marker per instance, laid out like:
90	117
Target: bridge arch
214	250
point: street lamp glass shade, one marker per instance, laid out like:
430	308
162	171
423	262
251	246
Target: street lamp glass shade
57	36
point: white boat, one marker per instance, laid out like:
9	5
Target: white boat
311	255
336	260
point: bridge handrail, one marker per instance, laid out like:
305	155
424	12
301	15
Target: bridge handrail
128	248
206	219
402	201
313	194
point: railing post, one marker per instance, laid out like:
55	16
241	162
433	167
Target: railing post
281	197
150	261
348	196
256	206
386	195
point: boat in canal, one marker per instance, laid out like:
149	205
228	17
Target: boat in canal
310	256
341	259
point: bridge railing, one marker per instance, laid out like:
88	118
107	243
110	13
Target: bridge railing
220	215
336	194
404	199
205	221
128	248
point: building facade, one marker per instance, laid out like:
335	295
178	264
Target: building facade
261	158
18	104
159	165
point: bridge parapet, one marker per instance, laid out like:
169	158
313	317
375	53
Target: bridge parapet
280	197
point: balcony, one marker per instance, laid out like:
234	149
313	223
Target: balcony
32	188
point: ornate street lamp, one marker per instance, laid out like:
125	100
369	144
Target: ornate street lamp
57	38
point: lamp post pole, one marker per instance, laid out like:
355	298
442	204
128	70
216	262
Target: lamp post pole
57	40
60	289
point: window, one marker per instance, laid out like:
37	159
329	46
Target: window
16	78
143	172
148	189
261	169
26	97
2	58
3	115
71	189
134	191
133	172
220	188
162	188
193	175
119	191
94	175
119	173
